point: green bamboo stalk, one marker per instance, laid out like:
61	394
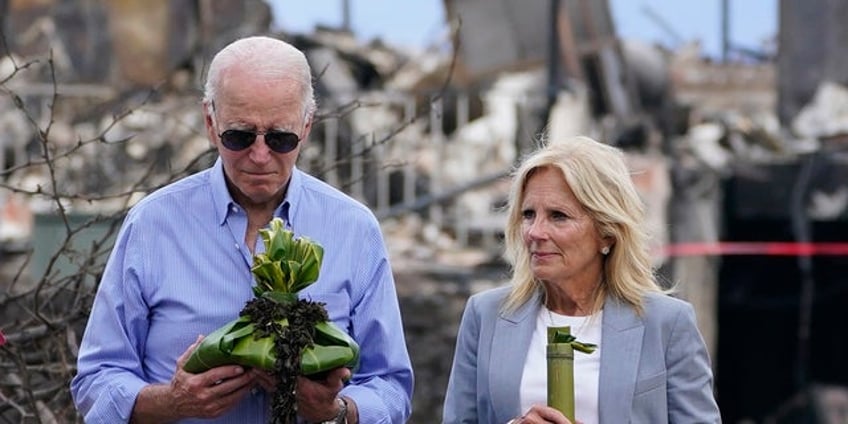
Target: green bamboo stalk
560	373
560	361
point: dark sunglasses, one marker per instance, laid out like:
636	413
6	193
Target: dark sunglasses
278	141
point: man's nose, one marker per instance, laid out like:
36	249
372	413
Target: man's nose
259	150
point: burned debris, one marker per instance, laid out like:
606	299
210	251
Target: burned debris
95	113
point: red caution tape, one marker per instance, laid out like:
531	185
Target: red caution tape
755	248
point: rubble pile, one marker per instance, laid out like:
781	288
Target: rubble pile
426	139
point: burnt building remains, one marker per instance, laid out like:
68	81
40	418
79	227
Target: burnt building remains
741	160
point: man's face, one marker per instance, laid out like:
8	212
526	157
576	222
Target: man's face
257	175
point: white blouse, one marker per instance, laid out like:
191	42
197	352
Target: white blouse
534	380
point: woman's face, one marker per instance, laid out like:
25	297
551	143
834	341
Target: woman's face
562	239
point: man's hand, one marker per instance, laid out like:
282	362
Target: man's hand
316	399
265	379
205	395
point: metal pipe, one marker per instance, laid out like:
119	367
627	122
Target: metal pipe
725	30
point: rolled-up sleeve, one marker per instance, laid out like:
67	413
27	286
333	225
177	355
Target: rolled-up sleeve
109	375
382	386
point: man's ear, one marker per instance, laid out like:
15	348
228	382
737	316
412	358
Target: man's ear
207	113
307	128
209	123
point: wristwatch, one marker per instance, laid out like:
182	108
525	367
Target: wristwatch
341	417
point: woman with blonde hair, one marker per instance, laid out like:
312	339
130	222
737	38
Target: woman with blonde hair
580	257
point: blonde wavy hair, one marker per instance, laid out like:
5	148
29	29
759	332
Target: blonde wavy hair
601	182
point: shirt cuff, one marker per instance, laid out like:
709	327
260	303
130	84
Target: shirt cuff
113	406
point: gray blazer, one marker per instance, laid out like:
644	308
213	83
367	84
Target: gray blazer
654	368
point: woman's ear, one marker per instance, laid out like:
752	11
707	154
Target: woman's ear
606	245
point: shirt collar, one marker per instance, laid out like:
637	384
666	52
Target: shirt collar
287	210
223	201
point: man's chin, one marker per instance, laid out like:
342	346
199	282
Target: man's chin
259	195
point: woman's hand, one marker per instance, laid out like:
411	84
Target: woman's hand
541	414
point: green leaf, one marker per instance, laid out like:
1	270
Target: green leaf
277	240
287	266
216	348
318	359
312	263
562	336
280	297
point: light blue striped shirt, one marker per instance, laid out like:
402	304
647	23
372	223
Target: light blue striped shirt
179	268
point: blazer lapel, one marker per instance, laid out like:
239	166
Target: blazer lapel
510	341
621	344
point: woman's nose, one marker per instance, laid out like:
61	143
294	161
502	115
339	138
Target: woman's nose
536	229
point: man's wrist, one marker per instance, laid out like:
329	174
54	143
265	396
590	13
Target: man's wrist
154	404
352	411
341	416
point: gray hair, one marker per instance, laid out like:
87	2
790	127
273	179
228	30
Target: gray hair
266	56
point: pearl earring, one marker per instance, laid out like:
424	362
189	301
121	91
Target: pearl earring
605	250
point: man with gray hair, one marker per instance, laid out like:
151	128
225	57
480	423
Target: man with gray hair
181	267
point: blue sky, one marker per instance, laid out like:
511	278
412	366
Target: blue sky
418	23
